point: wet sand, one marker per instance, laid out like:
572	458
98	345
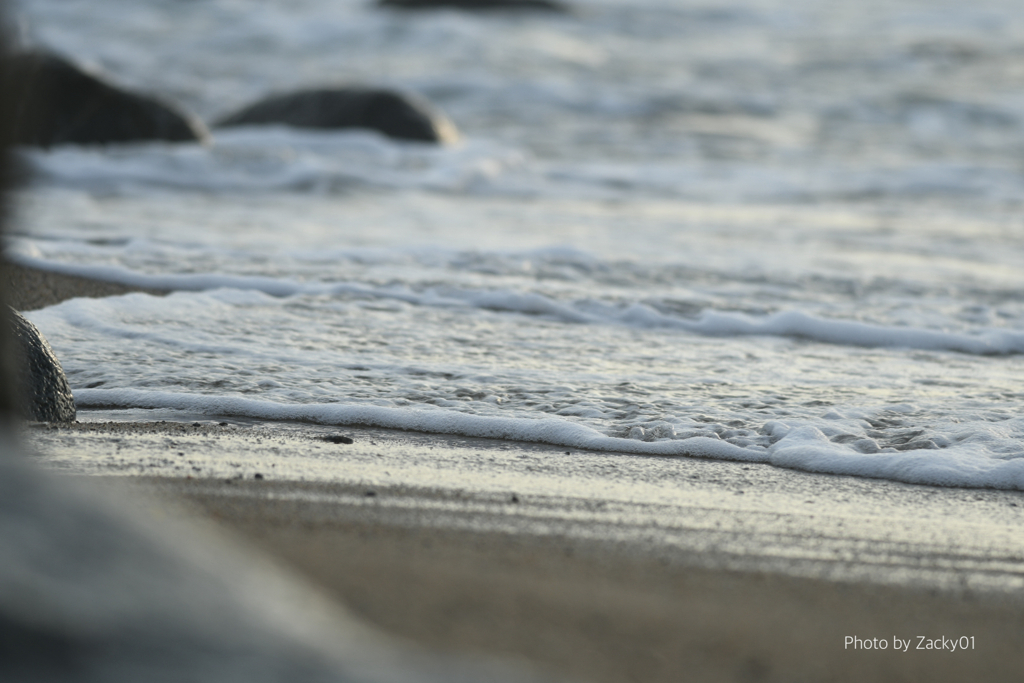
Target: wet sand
28	289
596	567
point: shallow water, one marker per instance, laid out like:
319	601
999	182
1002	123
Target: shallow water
763	230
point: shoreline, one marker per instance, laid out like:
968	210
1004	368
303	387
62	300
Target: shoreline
29	289
600	573
603	568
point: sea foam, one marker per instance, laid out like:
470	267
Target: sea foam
802	448
794	323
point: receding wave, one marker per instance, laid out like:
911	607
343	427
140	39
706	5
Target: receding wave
801	447
792	324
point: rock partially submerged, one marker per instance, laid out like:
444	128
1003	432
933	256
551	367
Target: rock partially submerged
544	5
397	115
57	103
43	391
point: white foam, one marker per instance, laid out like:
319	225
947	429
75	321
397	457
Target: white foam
438	421
807	448
795	324
846	332
802	448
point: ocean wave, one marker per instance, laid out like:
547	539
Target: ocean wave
788	323
260	159
279	158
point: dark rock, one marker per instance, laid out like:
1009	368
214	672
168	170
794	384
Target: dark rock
44	394
257	476
337	438
544	5
397	115
58	103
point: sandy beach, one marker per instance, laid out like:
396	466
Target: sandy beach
591	570
596	568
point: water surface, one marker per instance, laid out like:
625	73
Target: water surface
786	232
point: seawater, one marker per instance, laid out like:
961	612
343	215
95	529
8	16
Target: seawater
776	231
